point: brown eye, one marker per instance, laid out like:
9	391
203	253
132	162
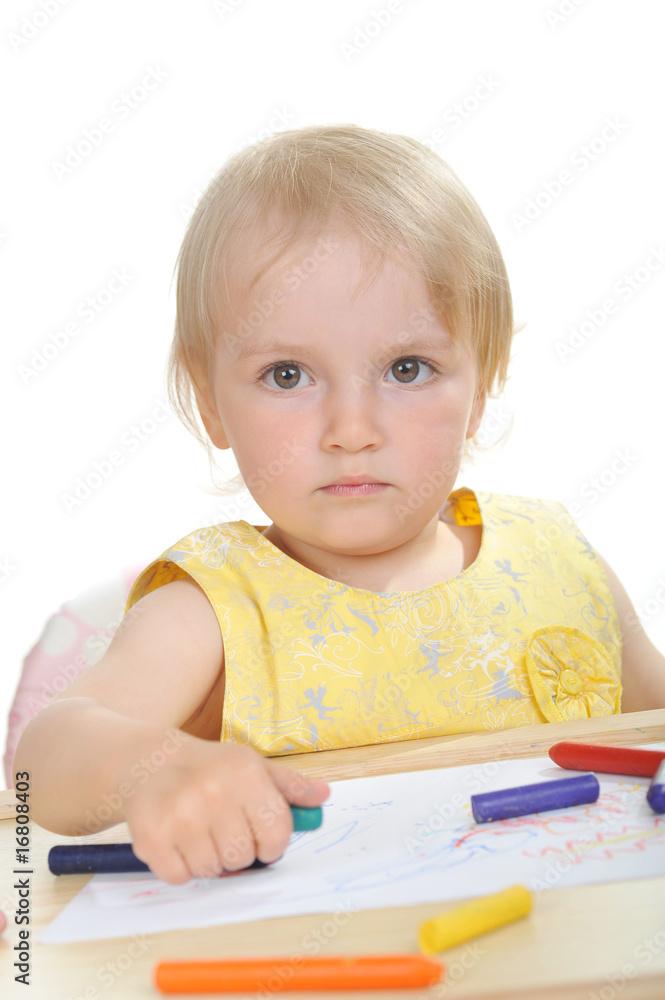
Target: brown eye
286	376
406	369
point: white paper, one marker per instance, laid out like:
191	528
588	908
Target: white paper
394	840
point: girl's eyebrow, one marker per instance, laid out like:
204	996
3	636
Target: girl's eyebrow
441	342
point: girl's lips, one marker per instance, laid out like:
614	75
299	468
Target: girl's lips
361	489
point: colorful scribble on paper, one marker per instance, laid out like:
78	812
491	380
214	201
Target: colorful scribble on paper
395	840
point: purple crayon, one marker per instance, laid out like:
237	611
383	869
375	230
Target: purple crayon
540	797
656	793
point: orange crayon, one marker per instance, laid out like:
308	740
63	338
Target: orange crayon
297	972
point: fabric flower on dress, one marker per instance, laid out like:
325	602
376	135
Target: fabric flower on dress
571	674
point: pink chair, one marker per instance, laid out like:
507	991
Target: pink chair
72	640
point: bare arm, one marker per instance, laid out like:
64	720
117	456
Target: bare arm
160	665
110	748
643	665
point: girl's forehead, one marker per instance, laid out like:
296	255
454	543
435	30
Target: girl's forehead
334	254
327	281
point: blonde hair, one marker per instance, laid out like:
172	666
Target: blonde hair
397	196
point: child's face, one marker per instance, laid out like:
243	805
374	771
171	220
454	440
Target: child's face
343	396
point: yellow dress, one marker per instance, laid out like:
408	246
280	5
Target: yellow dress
528	633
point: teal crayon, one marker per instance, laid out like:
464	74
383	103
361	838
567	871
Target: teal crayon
82	859
306	818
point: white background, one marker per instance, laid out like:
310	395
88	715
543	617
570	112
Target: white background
239	71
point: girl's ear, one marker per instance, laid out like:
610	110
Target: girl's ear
477	411
211	420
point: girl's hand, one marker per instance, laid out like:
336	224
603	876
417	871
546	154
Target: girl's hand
213	807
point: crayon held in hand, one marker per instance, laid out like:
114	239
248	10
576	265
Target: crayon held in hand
540	797
77	859
306	818
82	859
299	972
612	760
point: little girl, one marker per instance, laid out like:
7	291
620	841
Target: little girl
343	312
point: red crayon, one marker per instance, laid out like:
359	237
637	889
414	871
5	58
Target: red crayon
613	760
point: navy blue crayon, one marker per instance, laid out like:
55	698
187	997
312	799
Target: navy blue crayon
540	797
80	859
656	793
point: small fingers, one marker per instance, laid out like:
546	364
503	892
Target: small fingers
167	863
296	788
179	863
204	859
178	859
219	818
237	847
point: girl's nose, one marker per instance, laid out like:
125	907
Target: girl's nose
351	418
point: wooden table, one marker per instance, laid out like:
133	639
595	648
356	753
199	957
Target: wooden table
593	942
